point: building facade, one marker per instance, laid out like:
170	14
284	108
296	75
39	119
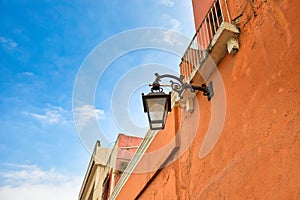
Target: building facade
97	169
244	144
106	166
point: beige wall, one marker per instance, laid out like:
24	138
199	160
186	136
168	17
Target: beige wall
96	173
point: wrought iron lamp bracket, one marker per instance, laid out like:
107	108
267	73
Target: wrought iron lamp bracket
179	86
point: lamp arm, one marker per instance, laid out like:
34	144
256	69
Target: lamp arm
179	86
207	90
202	88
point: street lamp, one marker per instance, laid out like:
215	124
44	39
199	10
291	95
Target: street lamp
157	104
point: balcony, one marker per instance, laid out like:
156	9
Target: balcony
213	39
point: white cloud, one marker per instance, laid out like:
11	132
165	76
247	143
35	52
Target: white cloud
29	182
85	113
7	43
31	174
27	73
172	22
168	3
172	38
50	115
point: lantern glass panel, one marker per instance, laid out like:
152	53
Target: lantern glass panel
157	108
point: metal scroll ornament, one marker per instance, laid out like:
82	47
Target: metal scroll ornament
178	86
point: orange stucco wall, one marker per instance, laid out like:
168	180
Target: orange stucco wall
257	155
200	8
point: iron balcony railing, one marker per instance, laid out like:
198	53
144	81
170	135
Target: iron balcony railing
199	47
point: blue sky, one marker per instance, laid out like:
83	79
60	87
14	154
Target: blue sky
42	46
